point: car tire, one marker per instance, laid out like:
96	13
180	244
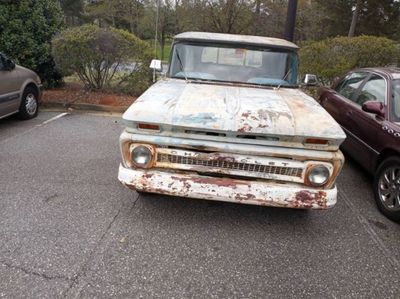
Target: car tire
387	188
29	106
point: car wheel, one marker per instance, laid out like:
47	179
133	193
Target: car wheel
29	104
387	188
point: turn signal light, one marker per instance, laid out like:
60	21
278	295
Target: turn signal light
148	127
317	141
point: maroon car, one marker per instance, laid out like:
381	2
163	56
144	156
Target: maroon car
366	103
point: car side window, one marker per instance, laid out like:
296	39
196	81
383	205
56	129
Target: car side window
373	90
396	99
350	84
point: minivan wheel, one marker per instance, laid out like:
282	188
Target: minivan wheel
29	104
387	188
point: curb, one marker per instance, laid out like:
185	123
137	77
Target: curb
84	107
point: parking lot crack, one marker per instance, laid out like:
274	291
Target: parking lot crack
35	273
84	268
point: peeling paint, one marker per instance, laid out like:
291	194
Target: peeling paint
223	189
285	113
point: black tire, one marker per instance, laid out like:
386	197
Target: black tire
384	183
29	106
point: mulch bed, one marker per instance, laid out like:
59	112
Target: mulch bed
77	94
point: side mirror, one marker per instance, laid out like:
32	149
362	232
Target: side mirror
7	64
335	82
156	65
310	80
10	65
374	107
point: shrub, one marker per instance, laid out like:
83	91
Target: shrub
334	57
96	55
26	30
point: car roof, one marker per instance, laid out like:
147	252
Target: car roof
390	72
236	39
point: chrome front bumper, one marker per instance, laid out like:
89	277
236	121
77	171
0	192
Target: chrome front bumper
286	195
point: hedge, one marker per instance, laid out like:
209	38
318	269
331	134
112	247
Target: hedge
331	58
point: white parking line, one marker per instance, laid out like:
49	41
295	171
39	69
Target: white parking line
53	119
35	127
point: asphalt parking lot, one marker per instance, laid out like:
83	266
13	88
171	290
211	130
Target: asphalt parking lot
69	229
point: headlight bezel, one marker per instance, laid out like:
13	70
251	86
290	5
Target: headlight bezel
322	169
150	150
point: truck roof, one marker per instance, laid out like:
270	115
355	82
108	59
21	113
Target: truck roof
236	39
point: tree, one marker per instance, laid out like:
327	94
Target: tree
26	30
355	18
73	11
379	17
229	16
95	54
103	12
320	19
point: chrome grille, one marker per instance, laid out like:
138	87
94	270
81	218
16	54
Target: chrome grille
223	164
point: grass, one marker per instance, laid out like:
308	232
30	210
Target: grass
72	79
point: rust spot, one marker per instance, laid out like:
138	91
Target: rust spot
219	158
246	114
221	182
246	128
244	196
148	176
306	198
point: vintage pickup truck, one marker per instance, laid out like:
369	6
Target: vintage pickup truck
228	122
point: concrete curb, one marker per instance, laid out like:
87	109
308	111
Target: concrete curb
84	107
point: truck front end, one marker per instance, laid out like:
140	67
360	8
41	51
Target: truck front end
214	170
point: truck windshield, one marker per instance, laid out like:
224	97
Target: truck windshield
226	63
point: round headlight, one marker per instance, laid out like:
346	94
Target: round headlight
318	175
141	156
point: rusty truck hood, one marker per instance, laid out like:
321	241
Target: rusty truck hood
240	109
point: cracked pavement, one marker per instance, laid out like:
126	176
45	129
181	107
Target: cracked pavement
69	229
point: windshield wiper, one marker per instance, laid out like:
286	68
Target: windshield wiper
284	78
181	65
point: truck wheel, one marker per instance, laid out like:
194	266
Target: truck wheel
387	188
29	104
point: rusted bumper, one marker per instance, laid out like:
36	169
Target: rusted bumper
286	195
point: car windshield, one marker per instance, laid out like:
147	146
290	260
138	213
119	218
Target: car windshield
396	100
225	63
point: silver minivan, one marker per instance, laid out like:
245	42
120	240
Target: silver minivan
20	90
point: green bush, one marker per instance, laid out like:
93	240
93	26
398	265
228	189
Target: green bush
96	55
334	57
26	30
